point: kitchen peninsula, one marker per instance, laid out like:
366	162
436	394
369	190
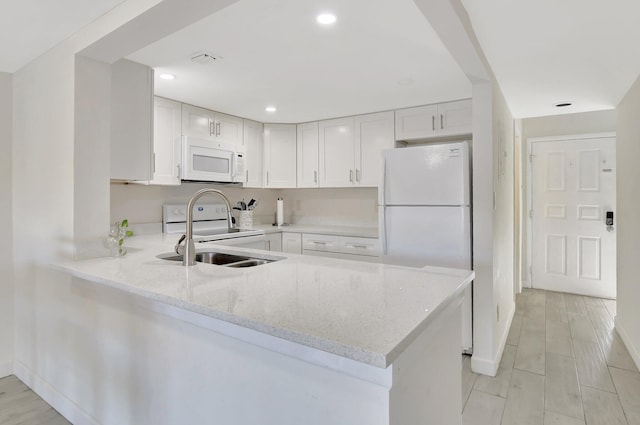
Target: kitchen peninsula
302	340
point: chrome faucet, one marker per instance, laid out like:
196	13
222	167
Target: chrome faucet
189	257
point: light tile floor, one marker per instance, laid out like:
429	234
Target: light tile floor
21	406
564	364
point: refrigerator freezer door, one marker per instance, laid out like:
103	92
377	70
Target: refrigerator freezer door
421	236
426	175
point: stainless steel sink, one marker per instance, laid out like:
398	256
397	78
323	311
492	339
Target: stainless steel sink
223	259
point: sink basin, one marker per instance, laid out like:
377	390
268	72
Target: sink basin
222	259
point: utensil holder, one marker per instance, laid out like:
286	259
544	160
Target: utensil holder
246	220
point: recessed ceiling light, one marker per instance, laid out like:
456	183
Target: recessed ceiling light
326	18
167	76
563	104
270	109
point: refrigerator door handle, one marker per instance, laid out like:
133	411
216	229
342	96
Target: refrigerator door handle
383	236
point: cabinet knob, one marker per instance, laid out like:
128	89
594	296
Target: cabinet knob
433	122
351	176
441	122
315	177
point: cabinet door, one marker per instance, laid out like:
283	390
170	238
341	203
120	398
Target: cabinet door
454	118
166	141
337	153
292	242
198	122
307	153
252	137
280	155
416	123
131	121
373	134
274	242
228	129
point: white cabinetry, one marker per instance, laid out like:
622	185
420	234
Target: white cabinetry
350	149
444	119
166	142
346	247
210	125
253	143
131	121
307	153
274	242
292	242
279	155
337	153
373	134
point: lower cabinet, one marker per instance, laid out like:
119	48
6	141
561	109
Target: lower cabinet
274	242
292	242
346	247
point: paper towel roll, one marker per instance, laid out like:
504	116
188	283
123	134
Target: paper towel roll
279	212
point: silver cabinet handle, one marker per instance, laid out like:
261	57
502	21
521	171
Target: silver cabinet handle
359	246
433	122
319	242
267	178
211	128
247	178
218	128
351	176
357	175
315	177
441	124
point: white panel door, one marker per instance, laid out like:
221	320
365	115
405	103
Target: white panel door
252	140
373	134
279	155
574	185
166	142
308	160
427	175
337	153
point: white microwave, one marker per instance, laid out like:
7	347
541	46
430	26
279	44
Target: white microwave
206	161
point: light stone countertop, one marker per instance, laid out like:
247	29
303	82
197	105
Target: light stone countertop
362	311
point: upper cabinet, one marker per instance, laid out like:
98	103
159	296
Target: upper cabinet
337	153
307	153
279	156
350	149
166	142
210	125
373	134
444	119
131	121
253	148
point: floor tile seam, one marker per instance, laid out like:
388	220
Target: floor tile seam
621	369
491	394
617	397
606	363
528	371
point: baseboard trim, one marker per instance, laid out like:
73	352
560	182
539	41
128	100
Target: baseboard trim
67	408
6	369
631	348
490	366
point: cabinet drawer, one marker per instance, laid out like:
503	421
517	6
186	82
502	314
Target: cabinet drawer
359	246
320	242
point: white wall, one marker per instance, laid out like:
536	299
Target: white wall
628	234
6	256
556	125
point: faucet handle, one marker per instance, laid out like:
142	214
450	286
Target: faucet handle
179	247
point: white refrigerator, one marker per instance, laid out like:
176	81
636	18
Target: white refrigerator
425	212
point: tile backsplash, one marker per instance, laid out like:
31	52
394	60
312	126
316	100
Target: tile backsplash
142	204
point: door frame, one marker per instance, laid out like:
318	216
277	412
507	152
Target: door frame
527	212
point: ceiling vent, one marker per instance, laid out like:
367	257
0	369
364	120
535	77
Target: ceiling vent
204	59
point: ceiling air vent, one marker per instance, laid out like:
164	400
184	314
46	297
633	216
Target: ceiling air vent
204	59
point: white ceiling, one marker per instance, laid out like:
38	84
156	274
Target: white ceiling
379	55
542	52
28	28
548	51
